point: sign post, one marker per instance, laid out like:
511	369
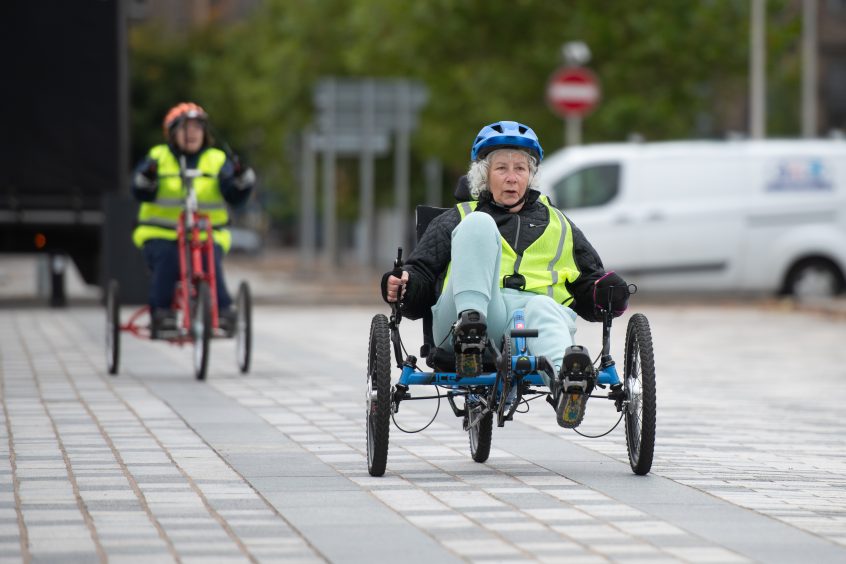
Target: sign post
572	93
363	117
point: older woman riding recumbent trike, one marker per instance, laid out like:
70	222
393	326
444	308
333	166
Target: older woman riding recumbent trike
498	281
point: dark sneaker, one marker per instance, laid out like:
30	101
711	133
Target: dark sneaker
573	386
163	321
227	320
470	336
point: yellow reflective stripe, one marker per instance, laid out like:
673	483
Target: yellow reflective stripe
557	257
211	206
565	253
169	202
160	222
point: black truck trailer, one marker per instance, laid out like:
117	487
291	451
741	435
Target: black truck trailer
63	167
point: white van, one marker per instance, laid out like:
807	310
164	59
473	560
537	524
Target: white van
749	216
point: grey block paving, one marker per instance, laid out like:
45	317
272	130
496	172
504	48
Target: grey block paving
152	466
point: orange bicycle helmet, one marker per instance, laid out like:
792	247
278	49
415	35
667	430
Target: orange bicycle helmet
181	112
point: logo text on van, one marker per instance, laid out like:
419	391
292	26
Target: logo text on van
799	175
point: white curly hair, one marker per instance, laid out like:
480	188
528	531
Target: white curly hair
477	175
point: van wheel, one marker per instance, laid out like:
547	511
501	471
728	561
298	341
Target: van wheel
814	278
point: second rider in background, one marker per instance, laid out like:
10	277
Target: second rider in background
158	186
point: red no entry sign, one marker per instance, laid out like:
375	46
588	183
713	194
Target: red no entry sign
572	91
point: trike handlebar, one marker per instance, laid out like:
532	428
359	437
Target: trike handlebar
191	174
524	333
396	307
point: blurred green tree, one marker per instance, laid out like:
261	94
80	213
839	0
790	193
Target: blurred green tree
668	70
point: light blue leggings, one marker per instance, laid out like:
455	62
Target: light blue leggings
474	284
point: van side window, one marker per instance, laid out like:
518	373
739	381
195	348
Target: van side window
591	186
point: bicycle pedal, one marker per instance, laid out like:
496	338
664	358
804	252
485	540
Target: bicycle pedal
470	332
576	361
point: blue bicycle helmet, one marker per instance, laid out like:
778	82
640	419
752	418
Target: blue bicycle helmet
505	134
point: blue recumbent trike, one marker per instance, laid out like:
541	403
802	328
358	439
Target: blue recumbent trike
510	376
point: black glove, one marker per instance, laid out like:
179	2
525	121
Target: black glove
147	177
611	290
244	177
151	171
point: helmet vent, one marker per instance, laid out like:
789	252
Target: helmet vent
523	129
497	127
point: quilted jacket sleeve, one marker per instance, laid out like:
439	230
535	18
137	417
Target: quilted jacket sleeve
427	264
591	269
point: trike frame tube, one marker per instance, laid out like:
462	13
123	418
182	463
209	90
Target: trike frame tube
197	249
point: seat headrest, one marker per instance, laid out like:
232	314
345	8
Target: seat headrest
462	190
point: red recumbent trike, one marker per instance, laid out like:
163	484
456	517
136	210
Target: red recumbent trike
195	298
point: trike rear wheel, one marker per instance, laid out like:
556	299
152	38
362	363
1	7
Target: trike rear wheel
201	330
639	386
378	400
113	326
243	327
480	433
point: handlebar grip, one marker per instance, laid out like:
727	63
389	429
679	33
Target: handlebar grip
524	332
397	271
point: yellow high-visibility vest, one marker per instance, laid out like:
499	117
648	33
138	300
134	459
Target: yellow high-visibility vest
158	219
547	264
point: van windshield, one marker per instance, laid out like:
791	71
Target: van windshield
590	186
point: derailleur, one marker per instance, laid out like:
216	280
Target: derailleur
474	410
398	393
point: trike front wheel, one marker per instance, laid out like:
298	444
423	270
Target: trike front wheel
201	330
639	387
378	399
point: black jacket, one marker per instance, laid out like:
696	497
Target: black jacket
428	261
